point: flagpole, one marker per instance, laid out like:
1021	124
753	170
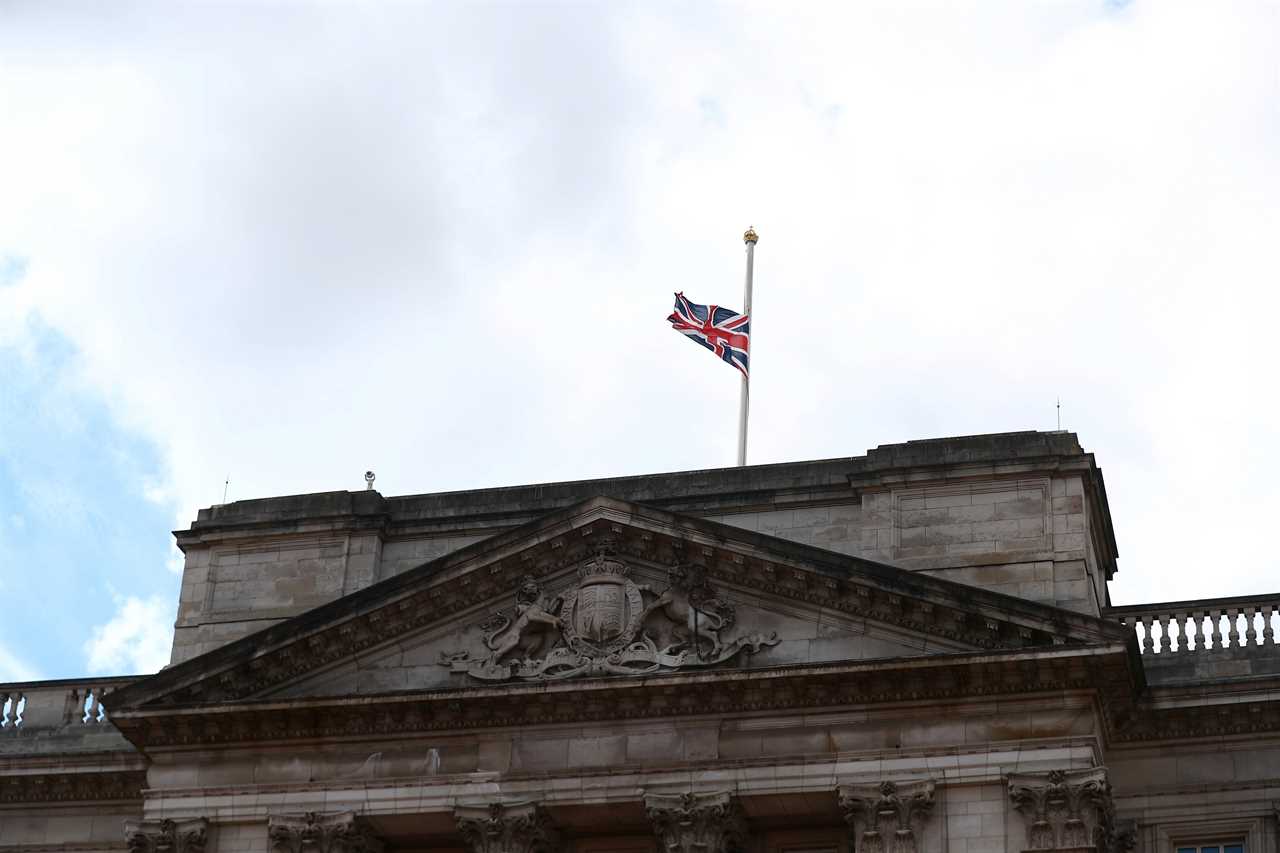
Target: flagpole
750	239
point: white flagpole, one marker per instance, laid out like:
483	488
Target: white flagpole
750	239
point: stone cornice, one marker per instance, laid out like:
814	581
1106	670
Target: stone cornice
489	570
927	678
1102	670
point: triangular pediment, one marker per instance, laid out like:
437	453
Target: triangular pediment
611	590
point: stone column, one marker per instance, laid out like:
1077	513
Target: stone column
507	828
697	823
321	832
886	813
1070	810
166	836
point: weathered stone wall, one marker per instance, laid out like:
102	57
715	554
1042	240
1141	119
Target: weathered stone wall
1023	514
85	828
1019	536
1207	793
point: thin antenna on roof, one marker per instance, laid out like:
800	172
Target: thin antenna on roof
1059	414
226	485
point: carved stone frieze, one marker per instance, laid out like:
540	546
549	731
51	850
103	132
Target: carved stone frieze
607	624
1068	810
697	823
321	832
507	828
63	787
886	814
166	836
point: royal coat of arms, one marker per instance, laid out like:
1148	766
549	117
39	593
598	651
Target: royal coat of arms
603	613
607	624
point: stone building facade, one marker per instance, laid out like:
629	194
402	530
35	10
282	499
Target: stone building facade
911	651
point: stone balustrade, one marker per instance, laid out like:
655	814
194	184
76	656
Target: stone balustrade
32	705
1203	624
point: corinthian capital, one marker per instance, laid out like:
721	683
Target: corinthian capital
507	828
697	823
166	836
886	813
317	832
1067	809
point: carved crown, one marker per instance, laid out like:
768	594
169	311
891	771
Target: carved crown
604	563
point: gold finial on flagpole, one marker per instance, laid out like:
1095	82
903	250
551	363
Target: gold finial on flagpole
750	236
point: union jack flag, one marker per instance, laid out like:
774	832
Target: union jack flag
726	333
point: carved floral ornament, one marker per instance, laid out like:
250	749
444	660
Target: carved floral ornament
607	624
166	836
507	828
697	823
1070	810
318	832
886	814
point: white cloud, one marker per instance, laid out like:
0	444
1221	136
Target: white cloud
137	639
293	245
12	668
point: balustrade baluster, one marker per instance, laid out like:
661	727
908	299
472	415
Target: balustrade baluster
1198	626
73	708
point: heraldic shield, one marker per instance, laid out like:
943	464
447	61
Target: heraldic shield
603	614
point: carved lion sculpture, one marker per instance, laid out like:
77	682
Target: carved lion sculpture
534	621
689	606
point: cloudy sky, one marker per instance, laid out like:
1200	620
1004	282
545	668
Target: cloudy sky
288	242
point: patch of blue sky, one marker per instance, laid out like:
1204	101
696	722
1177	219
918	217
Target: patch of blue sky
76	526
11	269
